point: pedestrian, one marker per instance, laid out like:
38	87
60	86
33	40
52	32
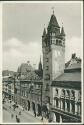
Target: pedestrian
35	113
16	116
42	116
20	113
12	115
17	119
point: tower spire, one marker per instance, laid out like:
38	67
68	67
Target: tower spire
40	64
44	32
62	30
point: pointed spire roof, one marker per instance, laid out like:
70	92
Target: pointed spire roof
53	21
40	64
62	31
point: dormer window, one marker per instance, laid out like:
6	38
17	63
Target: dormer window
47	67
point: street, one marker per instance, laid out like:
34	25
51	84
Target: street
25	117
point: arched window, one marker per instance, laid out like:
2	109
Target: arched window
63	104
68	106
57	103
67	93
63	93
56	91
60	43
72	94
73	107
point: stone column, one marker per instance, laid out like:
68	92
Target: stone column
54	103
76	108
79	112
60	119
65	106
54	117
70	107
61	105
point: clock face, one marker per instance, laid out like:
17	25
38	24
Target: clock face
57	53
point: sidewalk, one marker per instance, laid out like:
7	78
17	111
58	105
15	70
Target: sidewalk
31	113
25	114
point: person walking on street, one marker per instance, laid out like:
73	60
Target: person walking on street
12	115
35	113
20	113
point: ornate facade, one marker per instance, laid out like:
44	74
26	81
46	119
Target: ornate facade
54	90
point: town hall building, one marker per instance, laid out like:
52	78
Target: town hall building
61	85
54	90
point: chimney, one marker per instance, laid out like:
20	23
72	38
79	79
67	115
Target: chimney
73	55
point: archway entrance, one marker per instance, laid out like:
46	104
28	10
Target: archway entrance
57	117
45	111
39	109
33	106
34	109
28	105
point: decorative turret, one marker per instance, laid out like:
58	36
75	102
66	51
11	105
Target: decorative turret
44	32
43	38
62	31
40	65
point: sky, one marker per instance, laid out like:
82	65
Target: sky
23	25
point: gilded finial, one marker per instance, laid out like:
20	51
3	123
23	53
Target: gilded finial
53	10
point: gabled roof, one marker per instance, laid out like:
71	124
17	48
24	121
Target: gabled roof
73	63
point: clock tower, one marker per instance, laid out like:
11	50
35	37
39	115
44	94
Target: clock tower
53	47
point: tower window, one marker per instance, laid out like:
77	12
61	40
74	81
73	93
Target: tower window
46	59
47	87
47	67
60	43
73	94
47	77
57	103
53	41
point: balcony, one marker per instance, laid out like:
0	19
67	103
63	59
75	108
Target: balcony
64	112
62	96
67	97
